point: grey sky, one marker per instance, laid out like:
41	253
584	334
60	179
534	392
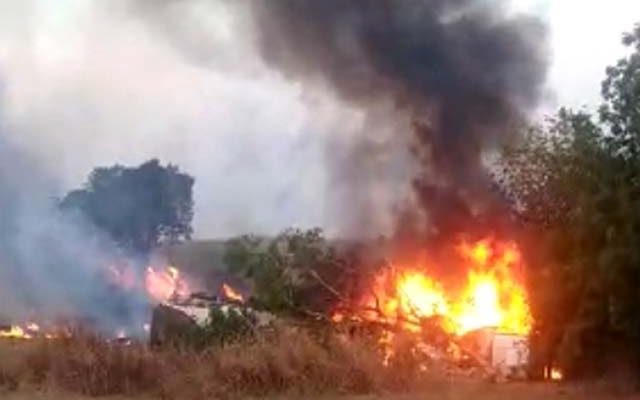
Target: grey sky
89	83
586	38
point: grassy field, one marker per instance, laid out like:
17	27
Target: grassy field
283	361
292	365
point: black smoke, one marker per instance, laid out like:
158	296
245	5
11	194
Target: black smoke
462	71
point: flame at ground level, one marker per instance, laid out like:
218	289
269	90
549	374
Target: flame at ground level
15	332
159	284
29	330
490	296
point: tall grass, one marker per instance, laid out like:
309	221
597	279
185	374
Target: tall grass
287	361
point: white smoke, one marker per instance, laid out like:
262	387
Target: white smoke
50	265
95	83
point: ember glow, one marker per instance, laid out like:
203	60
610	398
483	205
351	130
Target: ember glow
231	294
162	285
491	295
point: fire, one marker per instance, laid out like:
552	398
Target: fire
15	332
162	285
29	330
422	294
491	295
553	373
481	305
231	294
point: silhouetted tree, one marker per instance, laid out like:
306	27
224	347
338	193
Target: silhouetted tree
138	207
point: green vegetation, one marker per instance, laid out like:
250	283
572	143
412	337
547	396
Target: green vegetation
575	186
297	272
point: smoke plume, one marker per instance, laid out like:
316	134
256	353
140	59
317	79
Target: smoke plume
460	71
50	266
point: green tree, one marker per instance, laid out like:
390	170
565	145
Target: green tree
621	94
552	177
575	185
297	272
138	207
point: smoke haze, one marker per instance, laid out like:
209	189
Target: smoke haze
51	267
289	113
267	139
98	83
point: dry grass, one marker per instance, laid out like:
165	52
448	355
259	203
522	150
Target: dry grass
291	362
442	391
84	366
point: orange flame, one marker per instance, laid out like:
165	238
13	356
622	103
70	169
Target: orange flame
162	285
491	296
231	294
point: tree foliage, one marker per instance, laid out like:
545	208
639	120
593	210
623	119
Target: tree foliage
297	272
621	92
138	207
575	184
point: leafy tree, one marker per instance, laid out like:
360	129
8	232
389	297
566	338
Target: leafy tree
621	93
539	173
297	272
551	177
138	207
575	186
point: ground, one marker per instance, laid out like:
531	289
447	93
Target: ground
444	391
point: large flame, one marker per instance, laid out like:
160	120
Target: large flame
491	296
